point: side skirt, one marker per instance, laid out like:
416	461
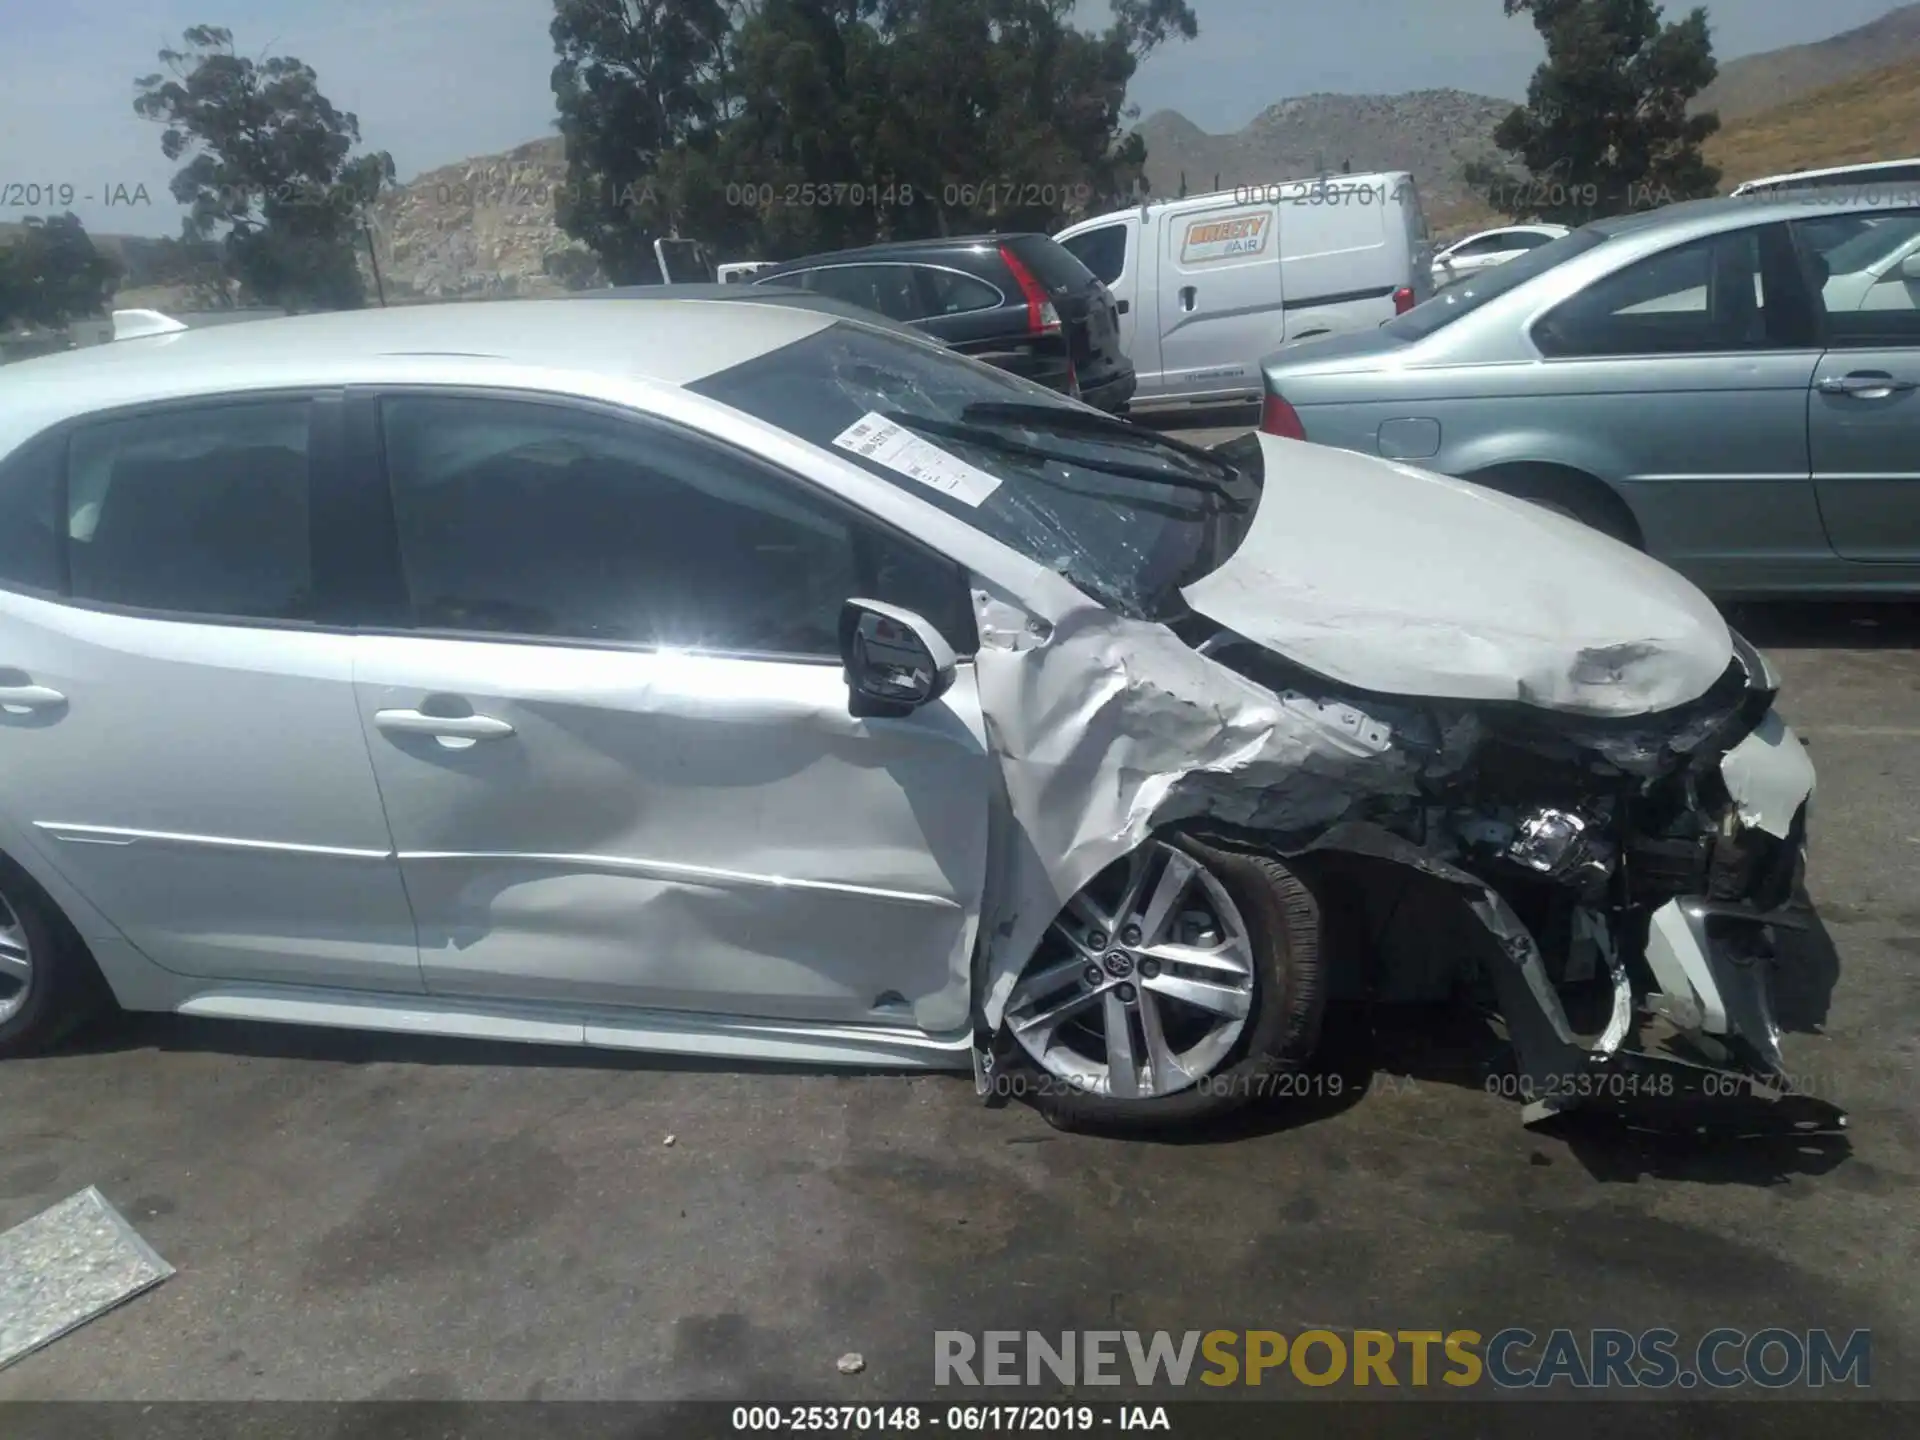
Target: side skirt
657	1031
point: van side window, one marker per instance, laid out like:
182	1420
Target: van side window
1103	251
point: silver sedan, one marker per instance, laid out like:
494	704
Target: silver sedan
1732	385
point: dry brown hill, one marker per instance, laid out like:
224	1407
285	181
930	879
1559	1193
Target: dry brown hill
1875	116
1755	83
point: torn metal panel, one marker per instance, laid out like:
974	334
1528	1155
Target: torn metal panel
67	1265
1395	580
1114	727
1769	777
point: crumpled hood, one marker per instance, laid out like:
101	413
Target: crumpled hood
1401	581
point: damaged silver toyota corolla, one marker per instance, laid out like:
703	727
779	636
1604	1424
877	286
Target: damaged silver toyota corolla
1302	724
737	679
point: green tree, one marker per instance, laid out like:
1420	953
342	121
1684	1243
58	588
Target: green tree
641	87
272	171
51	273
1605	129
773	128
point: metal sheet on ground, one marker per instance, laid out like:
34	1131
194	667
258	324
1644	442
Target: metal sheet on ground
69	1263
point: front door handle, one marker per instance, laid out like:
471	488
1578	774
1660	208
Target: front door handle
25	699
1188	295
1864	385
456	732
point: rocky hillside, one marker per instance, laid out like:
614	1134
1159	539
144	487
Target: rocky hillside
1760	82
480	228
1432	133
1875	116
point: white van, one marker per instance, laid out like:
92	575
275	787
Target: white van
1208	284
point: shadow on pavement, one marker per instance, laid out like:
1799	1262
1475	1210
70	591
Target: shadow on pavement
1828	624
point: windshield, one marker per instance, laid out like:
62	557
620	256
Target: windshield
1488	285
1125	515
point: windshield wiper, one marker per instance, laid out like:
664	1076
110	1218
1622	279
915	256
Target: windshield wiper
990	439
1064	421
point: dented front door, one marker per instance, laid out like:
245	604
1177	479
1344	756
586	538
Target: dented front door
679	832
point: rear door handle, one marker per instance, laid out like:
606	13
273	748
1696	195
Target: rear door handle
1188	295
456	732
1864	385
25	699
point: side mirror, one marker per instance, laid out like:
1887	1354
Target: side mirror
1121	307
1910	267
895	660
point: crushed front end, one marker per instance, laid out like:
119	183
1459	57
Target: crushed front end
1623	877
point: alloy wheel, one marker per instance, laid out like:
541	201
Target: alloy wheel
1143	984
16	961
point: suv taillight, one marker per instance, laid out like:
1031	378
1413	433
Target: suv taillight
1042	318
1402	299
1277	417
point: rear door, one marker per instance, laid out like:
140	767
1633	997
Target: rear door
1863	415
1220	299
177	726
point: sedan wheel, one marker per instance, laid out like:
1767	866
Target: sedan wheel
1167	984
16	961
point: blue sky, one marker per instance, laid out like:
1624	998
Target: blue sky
436	80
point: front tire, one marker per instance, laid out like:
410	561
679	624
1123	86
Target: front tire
1169	991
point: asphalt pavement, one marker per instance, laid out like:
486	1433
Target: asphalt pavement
360	1217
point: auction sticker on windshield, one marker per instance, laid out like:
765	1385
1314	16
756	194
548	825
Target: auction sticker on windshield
880	440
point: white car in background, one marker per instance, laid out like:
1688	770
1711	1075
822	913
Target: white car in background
1488	249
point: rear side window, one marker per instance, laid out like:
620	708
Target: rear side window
1102	251
885	289
198	511
1051	263
1868	281
1457	301
29	504
948	292
1704	297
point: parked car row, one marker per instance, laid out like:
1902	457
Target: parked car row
1167	305
1019	302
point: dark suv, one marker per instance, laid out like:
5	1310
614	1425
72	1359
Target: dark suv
1020	302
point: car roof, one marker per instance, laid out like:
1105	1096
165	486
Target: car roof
1729	212
908	250
786	295
671	342
1866	169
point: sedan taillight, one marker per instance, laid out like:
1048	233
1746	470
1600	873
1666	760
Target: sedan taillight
1277	417
1042	318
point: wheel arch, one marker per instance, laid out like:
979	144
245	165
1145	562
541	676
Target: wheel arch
1584	492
